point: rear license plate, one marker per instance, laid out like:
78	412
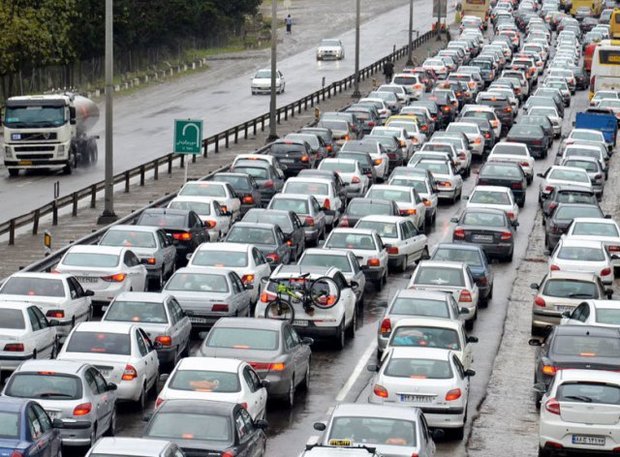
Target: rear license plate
87	279
300	323
287	160
25	162
197	320
416	398
563	308
587	439
482	238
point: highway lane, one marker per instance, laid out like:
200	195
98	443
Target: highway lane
143	121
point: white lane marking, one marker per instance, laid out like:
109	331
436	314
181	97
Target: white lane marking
357	371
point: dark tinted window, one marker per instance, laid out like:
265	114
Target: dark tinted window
100	343
570	288
242	338
12	319
44	385
34	287
586	346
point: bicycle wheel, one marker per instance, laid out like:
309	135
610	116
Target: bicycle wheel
280	309
324	292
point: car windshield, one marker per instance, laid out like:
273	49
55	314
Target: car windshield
324	260
91	259
34	287
128	238
581	254
346	240
418	369
188	426
468	256
419	186
46	385
338	166
439	276
255	172
226	259
571	212
595	229
589	392
137	311
419	307
609	316
201	208
162	219
570	288
390	194
306	187
483	219
263	74
372	430
330	43
288	204
420	336
100	343
33	116
440	168
489	197
359	208
205	381
251	235
198	282
242	338
9	425
384	229
586	346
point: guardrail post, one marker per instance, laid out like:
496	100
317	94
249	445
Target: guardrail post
205	147
293	109
142	175
226	139
54	213
245	131
262	125
193	158
74	204
286	113
35	222
236	134
156	169
12	232
182	161
299	107
127	176
170	163
217	143
323	92
279	112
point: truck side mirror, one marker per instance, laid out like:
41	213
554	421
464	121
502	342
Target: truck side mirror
72	120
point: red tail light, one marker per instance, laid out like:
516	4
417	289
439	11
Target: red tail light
344	222
508	109
275	258
14	347
130	373
269	184
373	262
219	308
446	108
309	221
266	366
392	250
453	394
524	164
119	277
266	297
248	200
164	340
538	301
505	236
355	180
424	128
386	326
465	296
55	314
380	391
210	224
247	279
553	406
487	135
371	124
17	453
184	236
516	185
605	272
228	453
549	188
305	159
459	233
82	409
327	204
613	248
408	212
554	267
151	261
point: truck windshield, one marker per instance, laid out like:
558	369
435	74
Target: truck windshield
34	116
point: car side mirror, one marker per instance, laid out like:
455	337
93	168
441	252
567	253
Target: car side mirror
567	314
534	342
607	216
111	387
164	377
188	256
425	256
534	286
438	434
226	213
372	368
470	373
147	417
57	423
144	261
547	252
88	293
262	424
454	220
157	345
354	285
515	224
540	175
319	426
387	246
609	293
321	243
465	197
307	341
472	339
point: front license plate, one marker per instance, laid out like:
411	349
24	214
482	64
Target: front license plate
588	439
415	398
300	323
25	162
197	320
482	238
87	279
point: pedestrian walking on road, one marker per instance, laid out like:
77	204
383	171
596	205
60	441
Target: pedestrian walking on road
388	70
289	24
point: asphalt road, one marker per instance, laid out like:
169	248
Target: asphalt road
143	121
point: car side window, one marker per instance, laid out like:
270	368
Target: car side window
249	380
288	339
240	426
34	320
585	313
131	260
36	430
459	366
235	284
577	312
178	311
279	235
141	345
340	281
316	206
247	419
40	317
354	263
296	222
78	287
256	256
44	419
90	380
295	335
454	305
72	290
102	385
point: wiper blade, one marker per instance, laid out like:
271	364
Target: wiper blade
54	394
577	295
582	398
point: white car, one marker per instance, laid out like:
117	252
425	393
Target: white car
411	81
222	191
409	203
579	413
218	379
507	151
324	192
382	107
438	66
210	213
489	114
431	379
59	296
582	256
587	135
595	229
406	244
122	352
594	312
558	176
473	133
404	95
496	197
25	333
330	48
271	160
244	259
368	247
356	183
425	190
106	270
134	447
433	332
439	145
336	322
453	277
552	114
449	182
261	82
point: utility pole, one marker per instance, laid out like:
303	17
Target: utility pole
409	62
272	103
108	216
356	87
438	20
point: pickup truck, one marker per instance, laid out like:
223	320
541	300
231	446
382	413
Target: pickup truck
599	119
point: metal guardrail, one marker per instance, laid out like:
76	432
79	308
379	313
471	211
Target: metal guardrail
90	192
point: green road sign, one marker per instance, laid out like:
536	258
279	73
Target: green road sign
187	136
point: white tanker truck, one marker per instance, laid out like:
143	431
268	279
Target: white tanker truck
49	132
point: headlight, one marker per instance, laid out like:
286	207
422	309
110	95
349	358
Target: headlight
61	150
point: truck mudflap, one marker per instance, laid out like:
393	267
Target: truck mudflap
600	120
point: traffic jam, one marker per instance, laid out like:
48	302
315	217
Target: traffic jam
204	316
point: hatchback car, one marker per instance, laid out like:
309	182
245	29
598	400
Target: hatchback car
579	255
594	312
268	238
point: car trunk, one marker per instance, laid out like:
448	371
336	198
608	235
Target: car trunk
589	413
90	278
111	366
423	393
483	235
201	304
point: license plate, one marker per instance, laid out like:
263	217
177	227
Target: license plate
25	162
416	398
482	238
300	323
287	160
87	279
563	308
588	439
197	320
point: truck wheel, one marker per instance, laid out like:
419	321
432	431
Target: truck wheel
93	153
71	163
13	172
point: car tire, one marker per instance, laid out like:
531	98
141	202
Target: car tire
379	284
403	264
290	395
13	172
305	385
509	257
457	434
353	327
542	452
469	323
111	431
340	336
141	403
93	435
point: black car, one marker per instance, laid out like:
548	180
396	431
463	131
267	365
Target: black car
489	228
542	121
437	116
502	107
557	224
365	161
206	427
295	155
269	181
487	131
575	346
327	136
566	194
268	238
392	148
581	77
289	222
183	226
531	135
504	174
360	207
245	186
442	99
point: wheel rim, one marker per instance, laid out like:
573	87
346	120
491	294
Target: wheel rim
308	375
342	334
113	423
93	435
291	392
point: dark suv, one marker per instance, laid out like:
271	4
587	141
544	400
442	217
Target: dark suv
295	155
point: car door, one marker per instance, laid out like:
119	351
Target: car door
472	286
235	204
283	249
44	437
80	304
99	400
347	296
183	323
223	221
262	268
141	359
428	445
151	359
174	326
381	250
358	276
257	400
416	239
468	355
298	237
136	271
291	347
169	251
44	335
318	213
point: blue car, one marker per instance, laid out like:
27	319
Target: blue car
26	430
474	256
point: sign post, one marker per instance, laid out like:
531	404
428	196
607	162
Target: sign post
187	138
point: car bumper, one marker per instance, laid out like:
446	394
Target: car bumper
436	417
355	191
129	390
75	432
373	273
446	194
166	355
498	249
36	164
10	363
311	234
545	319
561	432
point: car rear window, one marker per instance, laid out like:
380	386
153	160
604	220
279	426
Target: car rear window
384	229
419	186
237	182
160	219
296	205
419	307
440	276
242	338
574	196
594	229
490	197
586	346
100	343
361	209
284	148
128	238
255	172
418	369
38	287
483	219
467	256
570	288
45	385
572	212
227	259
198	282
9	425
372	430
589	392
390	194
323	260
251	235
91	259
205	381
583	164
201	208
203	189
509	150
419	336
188	426
137	311
344	240
493	169
308	187
582	254
441	168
